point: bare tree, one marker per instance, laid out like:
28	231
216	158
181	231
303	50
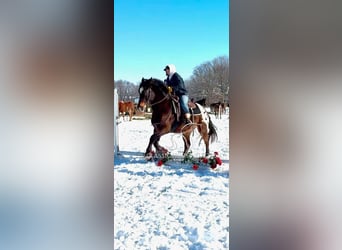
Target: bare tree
221	74
210	80
127	91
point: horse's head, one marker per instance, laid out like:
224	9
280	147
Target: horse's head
150	90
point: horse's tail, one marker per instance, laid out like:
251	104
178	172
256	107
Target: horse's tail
212	131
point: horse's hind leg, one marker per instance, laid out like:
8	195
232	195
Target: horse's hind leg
186	139
202	129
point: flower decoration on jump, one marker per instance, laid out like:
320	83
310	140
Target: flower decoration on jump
213	160
165	158
160	163
188	158
195	167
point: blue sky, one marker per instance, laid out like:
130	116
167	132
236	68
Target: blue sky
149	34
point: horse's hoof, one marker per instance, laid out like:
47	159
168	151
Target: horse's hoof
149	155
163	151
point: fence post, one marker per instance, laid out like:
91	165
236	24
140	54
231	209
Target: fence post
116	122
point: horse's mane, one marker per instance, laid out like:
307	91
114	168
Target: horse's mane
158	83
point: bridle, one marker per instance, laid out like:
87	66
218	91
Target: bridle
149	89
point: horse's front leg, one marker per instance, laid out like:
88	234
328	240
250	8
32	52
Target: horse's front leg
160	149
148	152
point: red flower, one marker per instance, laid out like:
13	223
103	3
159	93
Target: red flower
215	153
159	163
218	161
205	160
195	167
213	165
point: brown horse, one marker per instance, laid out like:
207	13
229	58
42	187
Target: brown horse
201	102
164	120
126	107
218	108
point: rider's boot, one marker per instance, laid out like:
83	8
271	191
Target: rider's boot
187	118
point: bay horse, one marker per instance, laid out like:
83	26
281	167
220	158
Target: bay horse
202	102
164	120
218	108
126	107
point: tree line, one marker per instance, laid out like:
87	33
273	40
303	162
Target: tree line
127	91
209	80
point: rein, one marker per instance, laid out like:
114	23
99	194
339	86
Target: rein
163	99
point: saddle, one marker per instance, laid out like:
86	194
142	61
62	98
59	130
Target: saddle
176	109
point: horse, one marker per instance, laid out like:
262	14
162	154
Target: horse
218	108
164	120
201	102
126	107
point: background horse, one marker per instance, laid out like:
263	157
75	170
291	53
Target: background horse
155	92
218	108
202	102
126	107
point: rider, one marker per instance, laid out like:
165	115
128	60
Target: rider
175	81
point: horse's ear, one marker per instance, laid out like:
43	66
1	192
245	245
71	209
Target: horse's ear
151	78
142	79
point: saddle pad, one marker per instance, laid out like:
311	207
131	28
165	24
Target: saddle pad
195	110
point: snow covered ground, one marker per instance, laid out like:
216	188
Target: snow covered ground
172	206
